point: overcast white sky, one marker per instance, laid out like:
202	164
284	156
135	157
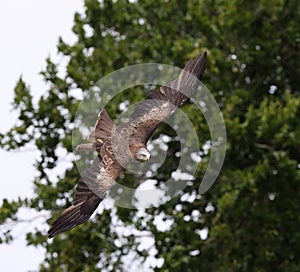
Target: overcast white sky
29	32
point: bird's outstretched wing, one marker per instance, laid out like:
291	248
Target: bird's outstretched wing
95	181
161	103
85	202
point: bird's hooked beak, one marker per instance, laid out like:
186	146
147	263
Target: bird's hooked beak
142	155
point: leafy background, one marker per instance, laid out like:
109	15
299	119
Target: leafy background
249	220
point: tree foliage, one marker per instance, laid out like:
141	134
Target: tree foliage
250	215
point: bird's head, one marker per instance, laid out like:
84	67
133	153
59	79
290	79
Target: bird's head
142	155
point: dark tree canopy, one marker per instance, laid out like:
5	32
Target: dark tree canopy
251	214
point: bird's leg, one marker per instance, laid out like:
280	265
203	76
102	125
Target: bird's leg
88	147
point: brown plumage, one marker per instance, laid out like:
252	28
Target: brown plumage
119	145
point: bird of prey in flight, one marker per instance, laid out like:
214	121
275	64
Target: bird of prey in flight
117	146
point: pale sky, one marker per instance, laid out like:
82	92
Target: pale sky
29	33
